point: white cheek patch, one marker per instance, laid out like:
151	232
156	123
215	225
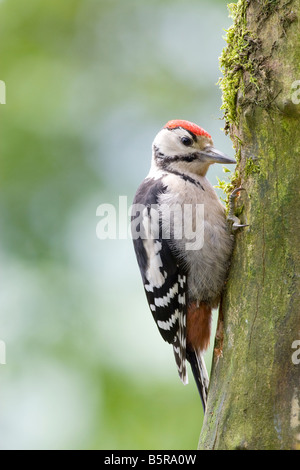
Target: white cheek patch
169	142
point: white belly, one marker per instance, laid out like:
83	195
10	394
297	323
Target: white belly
207	265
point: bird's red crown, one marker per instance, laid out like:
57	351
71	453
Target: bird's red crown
189	126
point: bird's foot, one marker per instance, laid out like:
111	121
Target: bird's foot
232	219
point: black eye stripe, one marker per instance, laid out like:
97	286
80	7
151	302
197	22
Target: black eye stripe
194	137
175	158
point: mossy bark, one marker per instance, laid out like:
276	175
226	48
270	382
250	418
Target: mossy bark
254	394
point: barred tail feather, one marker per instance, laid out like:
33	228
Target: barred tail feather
180	358
200	374
179	348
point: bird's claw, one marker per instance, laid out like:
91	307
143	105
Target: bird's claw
235	226
233	220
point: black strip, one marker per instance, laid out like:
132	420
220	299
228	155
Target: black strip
175	158
186	178
192	134
157	152
185	158
165	161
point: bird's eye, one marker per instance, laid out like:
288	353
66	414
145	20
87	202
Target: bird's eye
187	141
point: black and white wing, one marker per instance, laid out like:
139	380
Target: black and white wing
164	279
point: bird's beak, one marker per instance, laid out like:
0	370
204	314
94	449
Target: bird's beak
213	155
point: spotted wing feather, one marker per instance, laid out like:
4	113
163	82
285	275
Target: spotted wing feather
164	279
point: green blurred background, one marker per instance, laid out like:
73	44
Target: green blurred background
89	84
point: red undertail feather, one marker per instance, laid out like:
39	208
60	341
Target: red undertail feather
198	326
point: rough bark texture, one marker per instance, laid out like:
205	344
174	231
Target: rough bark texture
254	395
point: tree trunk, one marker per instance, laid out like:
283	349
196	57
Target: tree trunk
254	395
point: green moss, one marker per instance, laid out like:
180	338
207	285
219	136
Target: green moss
268	6
228	186
247	79
251	168
233	60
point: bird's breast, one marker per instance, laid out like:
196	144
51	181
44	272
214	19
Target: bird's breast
194	221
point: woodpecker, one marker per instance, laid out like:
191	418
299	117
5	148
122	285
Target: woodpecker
183	281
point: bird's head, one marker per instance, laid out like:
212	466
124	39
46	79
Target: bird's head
184	147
